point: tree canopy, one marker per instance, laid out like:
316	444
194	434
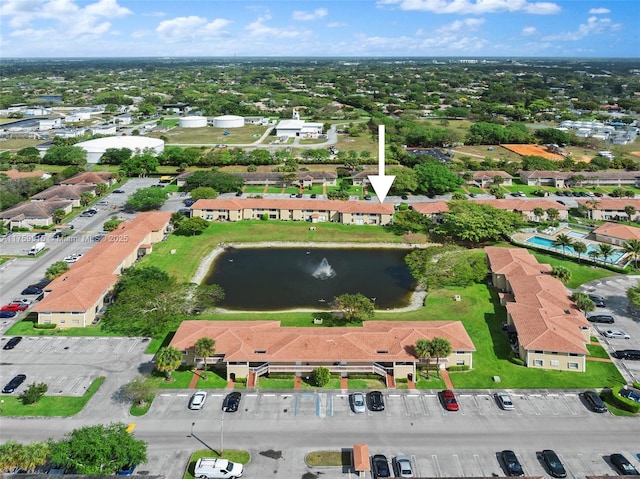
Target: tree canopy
353	307
476	223
145	199
435	178
439	266
98	449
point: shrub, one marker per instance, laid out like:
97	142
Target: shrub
463	367
517	361
33	393
44	326
241	381
621	402
321	376
402	381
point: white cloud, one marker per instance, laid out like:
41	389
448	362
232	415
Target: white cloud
259	29
336	24
599	11
468	24
61	16
474	7
190	28
307	16
529	30
594	26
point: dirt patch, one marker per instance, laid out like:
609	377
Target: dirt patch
635	153
532	150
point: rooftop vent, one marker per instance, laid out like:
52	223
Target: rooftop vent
260	351
382	351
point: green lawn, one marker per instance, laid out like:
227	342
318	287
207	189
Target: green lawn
50	406
580	273
267	383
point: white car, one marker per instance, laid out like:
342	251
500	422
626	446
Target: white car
21	300
357	403
615	334
197	400
72	258
505	401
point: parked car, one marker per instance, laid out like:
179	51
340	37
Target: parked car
375	401
505	401
615	334
13	342
594	401
118	191
601	318
597	300
367	197
380	466
197	400
6	234
15	307
623	465
29	290
402	466
511	464
553	463
22	300
7	314
38	236
313	196
189	201
357	403
14	384
633	354
449	400
210	468
231	402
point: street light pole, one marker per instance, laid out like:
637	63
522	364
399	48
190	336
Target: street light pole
192	424
221	435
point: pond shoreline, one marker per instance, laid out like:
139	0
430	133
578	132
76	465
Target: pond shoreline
417	297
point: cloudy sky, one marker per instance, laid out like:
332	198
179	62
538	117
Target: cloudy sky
135	28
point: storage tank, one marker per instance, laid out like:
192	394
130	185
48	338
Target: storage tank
193	122
228	121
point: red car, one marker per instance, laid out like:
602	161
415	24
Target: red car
15	307
449	400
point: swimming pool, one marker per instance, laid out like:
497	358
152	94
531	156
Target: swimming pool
577	234
616	255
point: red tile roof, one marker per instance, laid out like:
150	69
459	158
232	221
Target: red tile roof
612	204
544	315
35	209
618	231
93	177
435	207
97	271
236	204
268	341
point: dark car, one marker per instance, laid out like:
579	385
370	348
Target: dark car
553	463
13	342
511	464
380	466
313	195
367	197
126	470
238	193
57	234
118	191
601	318
623	465
188	202
7	314
38	235
299	195
404	197
375	401
14	383
449	400
597	300
231	402
594	401
31	290
633	354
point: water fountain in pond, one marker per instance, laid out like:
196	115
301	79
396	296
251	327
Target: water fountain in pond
324	270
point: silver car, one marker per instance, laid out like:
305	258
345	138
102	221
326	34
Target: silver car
357	403
197	400
615	334
402	466
505	401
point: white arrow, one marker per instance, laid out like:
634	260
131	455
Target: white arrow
381	183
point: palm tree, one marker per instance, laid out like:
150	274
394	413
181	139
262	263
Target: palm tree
423	351
605	250
562	241
580	248
539	212
440	348
594	254
553	214
205	348
630	210
633	248
592	205
168	360
562	273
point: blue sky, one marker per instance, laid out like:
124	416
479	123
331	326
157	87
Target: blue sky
379	28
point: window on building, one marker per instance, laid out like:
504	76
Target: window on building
555	363
460	362
538	362
573	365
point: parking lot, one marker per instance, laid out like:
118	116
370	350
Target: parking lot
68	365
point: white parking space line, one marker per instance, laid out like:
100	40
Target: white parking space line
436	465
458	464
